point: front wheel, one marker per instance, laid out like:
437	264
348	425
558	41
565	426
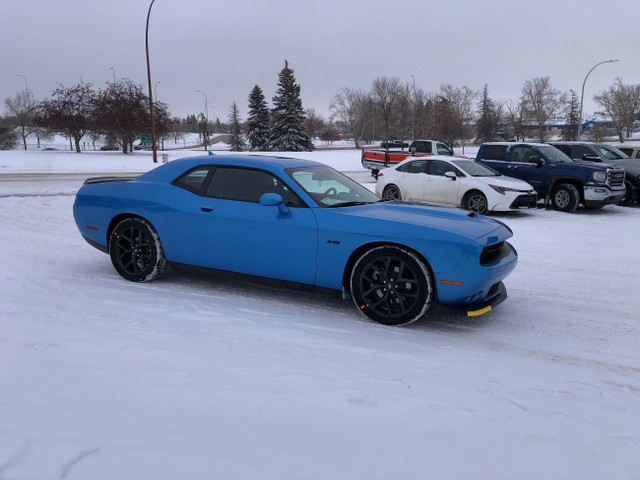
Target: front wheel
135	250
630	195
476	202
391	285
565	197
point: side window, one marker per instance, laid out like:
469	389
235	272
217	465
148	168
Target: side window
422	147
578	151
523	153
494	152
194	180
443	149
439	167
246	185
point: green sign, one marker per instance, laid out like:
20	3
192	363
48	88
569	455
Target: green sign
146	141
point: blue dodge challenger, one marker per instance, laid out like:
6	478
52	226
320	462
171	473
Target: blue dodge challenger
298	221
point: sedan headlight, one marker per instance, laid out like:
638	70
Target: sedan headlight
599	176
501	190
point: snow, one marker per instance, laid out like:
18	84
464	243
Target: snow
197	378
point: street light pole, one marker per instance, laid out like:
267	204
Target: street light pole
114	74
26	84
413	111
582	96
155	90
206	118
153	123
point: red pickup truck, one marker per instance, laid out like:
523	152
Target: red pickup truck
376	159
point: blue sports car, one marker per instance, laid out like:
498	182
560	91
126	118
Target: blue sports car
298	221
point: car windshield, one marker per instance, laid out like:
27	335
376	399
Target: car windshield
611	153
475	169
330	188
553	154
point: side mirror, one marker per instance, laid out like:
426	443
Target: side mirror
274	200
537	160
450	175
591	158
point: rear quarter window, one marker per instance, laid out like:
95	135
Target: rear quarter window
494	152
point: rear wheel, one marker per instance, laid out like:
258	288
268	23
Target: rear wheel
476	202
392	192
565	197
391	285
631	194
135	250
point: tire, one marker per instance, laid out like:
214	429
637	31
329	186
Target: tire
391	286
631	194
565	198
392	192
135	250
475	201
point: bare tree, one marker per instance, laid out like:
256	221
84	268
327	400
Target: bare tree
542	102
21	108
313	123
69	112
515	118
385	92
352	109
622	103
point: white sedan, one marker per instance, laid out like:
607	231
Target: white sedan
454	181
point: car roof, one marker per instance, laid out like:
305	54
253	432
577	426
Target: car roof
175	168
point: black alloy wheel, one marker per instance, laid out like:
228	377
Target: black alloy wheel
391	285
135	250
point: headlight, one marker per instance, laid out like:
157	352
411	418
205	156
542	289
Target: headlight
501	190
599	176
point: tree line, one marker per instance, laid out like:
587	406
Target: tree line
391	109
120	114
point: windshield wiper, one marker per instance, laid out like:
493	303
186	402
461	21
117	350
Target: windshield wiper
348	204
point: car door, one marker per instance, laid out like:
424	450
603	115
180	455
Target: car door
410	178
241	235
439	188
525	165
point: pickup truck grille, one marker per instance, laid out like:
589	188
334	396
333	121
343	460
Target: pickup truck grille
616	178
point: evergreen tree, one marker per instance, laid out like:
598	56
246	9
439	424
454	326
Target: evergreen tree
258	123
488	118
237	142
287	133
571	114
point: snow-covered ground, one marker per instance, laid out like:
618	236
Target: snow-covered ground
194	377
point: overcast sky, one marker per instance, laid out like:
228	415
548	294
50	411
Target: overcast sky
224	48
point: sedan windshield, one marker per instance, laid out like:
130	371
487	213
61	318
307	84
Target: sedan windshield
330	188
475	169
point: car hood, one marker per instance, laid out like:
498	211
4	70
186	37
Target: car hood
456	220
504	181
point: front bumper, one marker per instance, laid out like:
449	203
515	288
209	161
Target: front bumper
479	308
597	196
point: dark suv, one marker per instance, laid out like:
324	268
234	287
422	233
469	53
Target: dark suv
603	153
561	181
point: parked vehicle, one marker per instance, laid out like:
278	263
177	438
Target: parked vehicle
561	181
298	221
631	151
455	181
376	159
601	152
109	148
